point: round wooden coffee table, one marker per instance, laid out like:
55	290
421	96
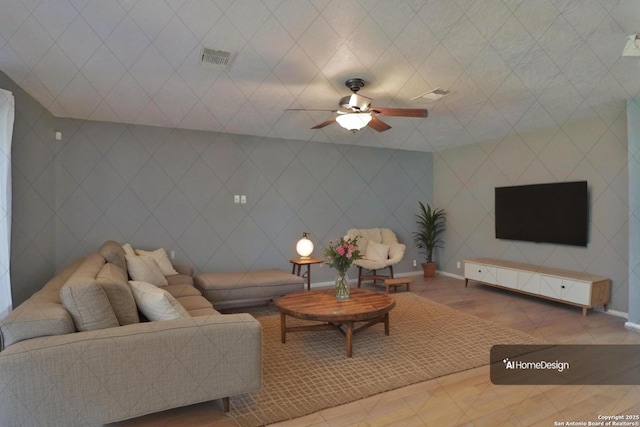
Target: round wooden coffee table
321	306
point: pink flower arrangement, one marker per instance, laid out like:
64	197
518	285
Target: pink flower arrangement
342	254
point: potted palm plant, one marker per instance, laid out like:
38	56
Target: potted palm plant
430	226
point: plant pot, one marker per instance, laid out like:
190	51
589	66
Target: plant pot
429	269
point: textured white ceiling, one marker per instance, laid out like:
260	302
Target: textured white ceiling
515	65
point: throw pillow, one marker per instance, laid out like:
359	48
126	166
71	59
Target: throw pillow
145	269
377	251
88	305
160	256
128	250
156	303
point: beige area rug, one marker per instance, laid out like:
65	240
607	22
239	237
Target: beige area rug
311	371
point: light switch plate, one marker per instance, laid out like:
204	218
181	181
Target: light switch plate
236	198
243	199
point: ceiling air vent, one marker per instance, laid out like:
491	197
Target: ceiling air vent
433	95
214	58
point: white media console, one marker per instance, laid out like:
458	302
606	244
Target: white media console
569	287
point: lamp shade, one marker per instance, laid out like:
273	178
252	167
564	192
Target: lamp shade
304	246
353	121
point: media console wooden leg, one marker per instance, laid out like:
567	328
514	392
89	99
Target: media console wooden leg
225	404
584	311
466	281
349	338
283	328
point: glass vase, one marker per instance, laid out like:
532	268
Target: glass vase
342	287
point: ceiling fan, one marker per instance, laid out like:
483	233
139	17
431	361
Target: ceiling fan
356	111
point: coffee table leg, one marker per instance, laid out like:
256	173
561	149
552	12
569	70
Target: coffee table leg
386	324
283	328
349	334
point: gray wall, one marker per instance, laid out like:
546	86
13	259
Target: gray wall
633	119
33	206
593	150
159	187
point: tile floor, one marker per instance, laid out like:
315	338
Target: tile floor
469	398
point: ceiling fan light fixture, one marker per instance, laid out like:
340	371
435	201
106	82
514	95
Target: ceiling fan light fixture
355	102
353	121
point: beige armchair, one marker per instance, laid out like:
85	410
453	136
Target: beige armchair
379	249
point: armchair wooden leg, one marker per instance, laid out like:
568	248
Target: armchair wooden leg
225	404
391	271
359	276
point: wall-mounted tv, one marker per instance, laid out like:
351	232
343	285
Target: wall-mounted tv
549	213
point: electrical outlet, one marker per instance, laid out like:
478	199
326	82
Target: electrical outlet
236	198
458	265
243	199
414	263
173	254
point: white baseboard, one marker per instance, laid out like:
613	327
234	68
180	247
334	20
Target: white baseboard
612	312
320	285
630	325
354	281
408	273
455	276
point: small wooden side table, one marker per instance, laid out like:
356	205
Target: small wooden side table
299	262
388	283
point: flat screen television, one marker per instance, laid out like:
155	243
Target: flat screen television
549	213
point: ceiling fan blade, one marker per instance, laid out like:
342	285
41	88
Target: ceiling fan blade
325	123
401	112
378	124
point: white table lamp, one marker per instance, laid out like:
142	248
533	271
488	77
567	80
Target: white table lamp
304	246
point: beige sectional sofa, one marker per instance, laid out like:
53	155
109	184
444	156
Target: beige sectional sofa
64	362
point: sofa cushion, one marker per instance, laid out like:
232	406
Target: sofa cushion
115	284
42	314
195	303
89	268
184	269
88	305
161	258
156	303
180	279
191	299
182	290
112	252
145	269
266	284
